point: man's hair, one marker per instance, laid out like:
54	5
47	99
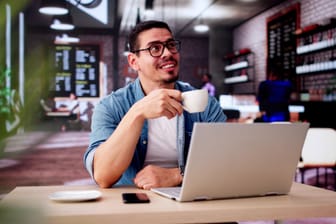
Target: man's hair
274	73
209	76
143	26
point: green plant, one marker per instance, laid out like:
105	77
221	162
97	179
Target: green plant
5	93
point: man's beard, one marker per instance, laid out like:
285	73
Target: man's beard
171	80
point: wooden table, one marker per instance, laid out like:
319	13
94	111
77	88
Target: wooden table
303	202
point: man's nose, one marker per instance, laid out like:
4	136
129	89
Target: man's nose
166	52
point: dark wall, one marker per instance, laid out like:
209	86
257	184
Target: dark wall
319	114
220	44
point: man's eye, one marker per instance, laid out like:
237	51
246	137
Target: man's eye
171	45
155	48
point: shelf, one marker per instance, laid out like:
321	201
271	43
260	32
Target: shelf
315	28
316	62
239	72
236	79
236	66
316	46
239	53
317	67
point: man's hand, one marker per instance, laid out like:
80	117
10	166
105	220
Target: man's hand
154	176
161	102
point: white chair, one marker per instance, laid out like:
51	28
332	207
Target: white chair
319	151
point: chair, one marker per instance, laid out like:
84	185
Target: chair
319	151
45	107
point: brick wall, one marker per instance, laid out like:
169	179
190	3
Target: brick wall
252	34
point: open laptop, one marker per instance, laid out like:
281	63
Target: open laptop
230	160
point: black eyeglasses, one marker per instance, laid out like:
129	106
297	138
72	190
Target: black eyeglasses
157	49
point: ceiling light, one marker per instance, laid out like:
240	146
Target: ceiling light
149	14
64	39
62	23
53	7
149	11
201	28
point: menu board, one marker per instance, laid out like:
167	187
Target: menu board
281	41
77	70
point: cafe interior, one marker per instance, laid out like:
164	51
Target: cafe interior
47	54
240	43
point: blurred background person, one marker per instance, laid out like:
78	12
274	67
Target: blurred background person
273	98
70	105
207	84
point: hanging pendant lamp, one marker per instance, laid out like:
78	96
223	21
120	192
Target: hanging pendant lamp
201	27
53	7
62	23
65	39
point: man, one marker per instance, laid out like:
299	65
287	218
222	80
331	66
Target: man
273	97
207	84
140	133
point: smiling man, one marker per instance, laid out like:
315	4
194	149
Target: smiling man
140	133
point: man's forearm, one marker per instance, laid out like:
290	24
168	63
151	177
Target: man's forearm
114	156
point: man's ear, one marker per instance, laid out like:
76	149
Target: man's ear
133	61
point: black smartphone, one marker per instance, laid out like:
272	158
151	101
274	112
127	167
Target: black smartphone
135	198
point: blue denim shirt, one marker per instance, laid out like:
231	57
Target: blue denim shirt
111	109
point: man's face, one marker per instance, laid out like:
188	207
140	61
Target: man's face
159	70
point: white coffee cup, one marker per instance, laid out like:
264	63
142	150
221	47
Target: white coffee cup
195	101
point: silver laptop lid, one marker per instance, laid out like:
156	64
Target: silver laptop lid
228	160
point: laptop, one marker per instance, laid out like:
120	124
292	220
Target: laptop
234	160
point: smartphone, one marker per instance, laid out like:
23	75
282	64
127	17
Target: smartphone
135	198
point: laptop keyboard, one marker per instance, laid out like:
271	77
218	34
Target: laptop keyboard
173	191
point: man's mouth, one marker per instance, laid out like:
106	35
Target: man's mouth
167	66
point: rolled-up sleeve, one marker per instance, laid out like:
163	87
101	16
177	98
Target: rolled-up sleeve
88	162
103	125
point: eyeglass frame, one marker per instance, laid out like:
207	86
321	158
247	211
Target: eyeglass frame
164	44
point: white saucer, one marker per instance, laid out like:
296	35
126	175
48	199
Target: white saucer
75	196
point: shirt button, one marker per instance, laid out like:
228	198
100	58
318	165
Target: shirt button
144	142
